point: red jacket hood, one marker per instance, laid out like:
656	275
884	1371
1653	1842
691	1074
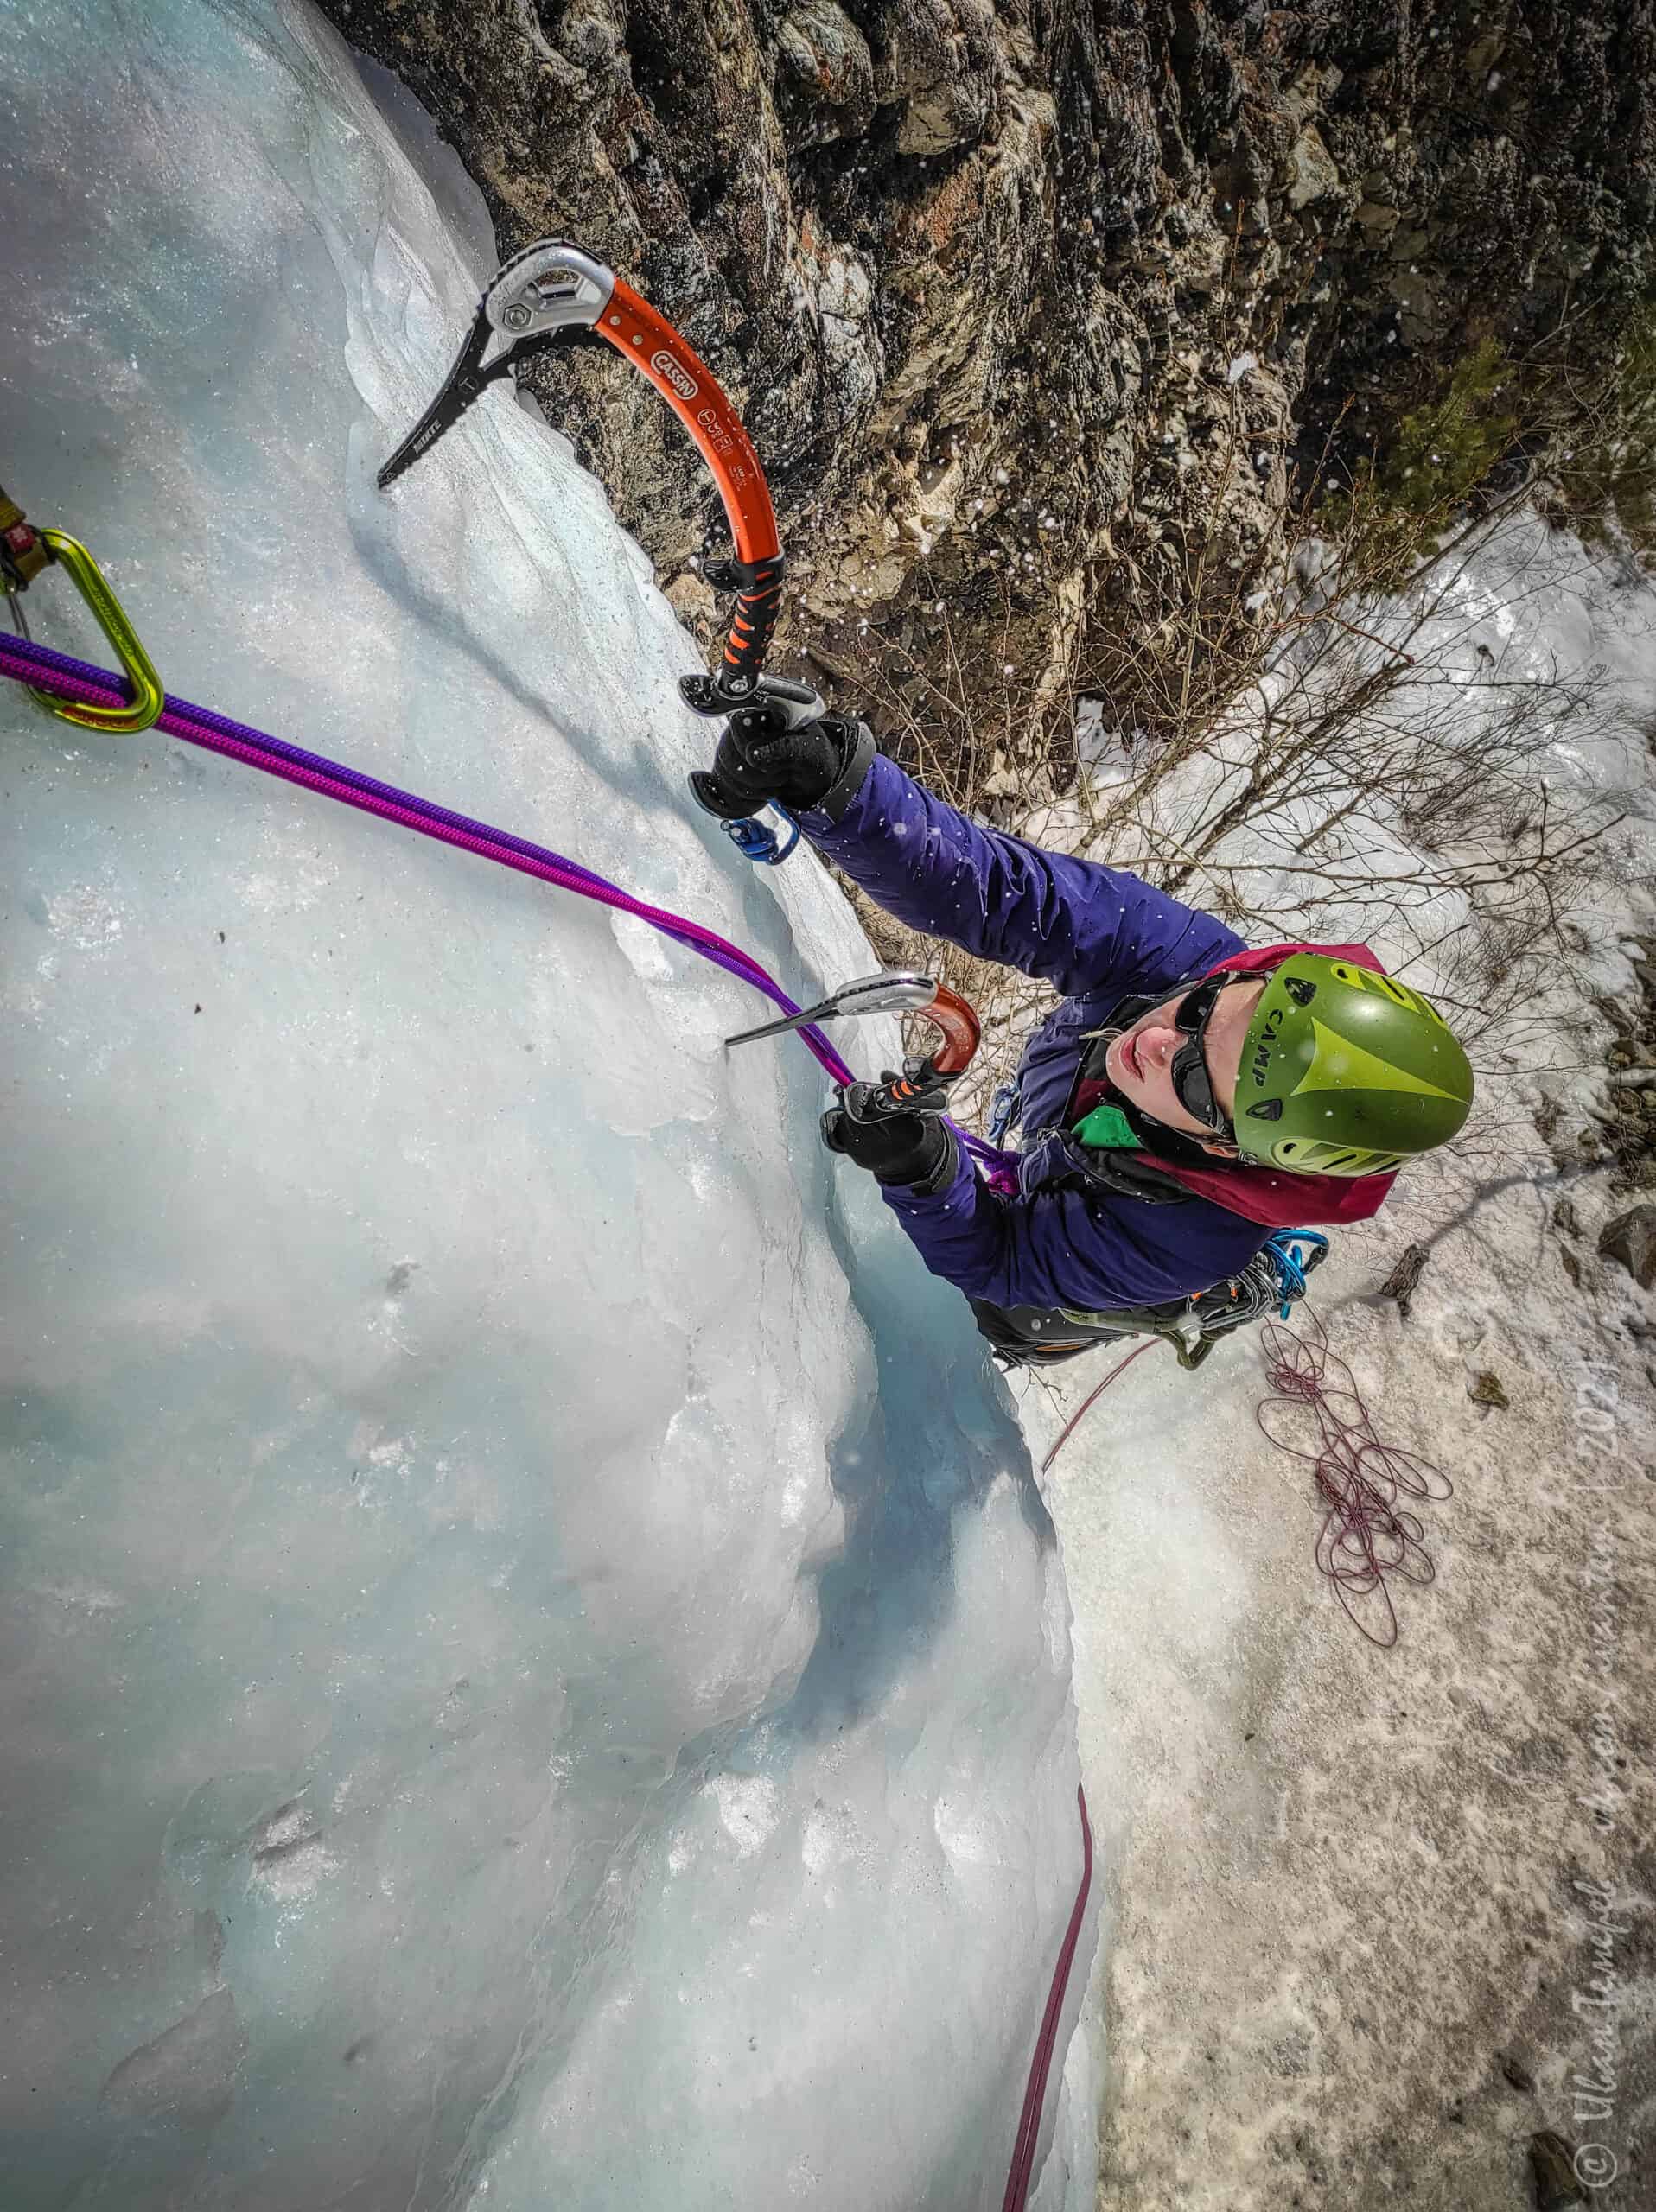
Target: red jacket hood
1267	1195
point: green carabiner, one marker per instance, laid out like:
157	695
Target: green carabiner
148	697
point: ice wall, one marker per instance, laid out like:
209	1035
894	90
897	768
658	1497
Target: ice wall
535	1671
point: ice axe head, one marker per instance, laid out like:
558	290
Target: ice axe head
893	990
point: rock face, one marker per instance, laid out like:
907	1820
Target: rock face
1631	1238
1552	2173
1021	301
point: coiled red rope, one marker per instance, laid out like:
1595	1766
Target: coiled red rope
1367	1535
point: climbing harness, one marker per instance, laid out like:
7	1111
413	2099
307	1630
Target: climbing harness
1275	1277
554	294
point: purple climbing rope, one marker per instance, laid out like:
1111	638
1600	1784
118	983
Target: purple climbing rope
85	685
81	682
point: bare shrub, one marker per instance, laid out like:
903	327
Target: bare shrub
1299	748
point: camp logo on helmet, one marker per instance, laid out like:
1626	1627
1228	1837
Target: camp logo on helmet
684	385
1351	1071
1262	1050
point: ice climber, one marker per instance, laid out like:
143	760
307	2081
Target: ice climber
1187	1098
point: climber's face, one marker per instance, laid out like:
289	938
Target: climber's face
1140	1061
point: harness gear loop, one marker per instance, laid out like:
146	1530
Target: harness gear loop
26	551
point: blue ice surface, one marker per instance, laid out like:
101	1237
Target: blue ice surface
536	1669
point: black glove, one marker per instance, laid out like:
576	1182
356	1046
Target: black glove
895	1149
760	758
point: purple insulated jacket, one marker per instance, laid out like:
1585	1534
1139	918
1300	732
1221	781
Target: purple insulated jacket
1098	936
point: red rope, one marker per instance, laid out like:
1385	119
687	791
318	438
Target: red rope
1364	1539
1086	1404
1035	2091
1366	1536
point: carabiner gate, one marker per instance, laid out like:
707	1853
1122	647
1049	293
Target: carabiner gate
24	560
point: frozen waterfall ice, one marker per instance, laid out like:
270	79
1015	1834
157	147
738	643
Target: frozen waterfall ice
536	1672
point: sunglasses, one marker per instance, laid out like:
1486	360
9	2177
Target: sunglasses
1193	1083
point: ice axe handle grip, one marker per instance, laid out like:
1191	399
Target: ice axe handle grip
757	586
961	1031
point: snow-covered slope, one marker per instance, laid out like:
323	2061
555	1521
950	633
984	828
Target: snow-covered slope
1343	1877
537	1671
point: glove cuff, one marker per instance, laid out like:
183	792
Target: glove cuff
937	1170
858	748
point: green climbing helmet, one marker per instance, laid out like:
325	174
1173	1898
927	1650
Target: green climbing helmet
1346	1072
